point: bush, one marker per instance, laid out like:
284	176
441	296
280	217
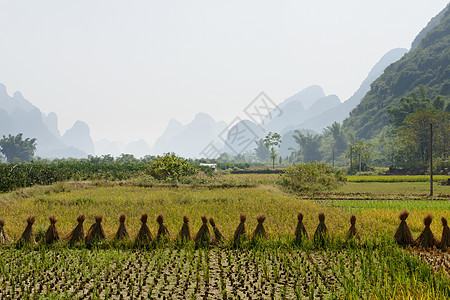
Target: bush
170	167
312	177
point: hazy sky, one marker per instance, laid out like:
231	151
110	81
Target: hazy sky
127	67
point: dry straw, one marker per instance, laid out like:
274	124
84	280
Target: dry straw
218	236
122	232
321	231
163	232
260	232
426	238
300	230
3	236
445	240
185	233
95	232
144	235
239	233
77	234
51	235
203	234
352	232
403	235
28	235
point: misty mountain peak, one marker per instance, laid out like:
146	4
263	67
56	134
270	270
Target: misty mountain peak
174	123
203	117
18	95
3	91
306	97
79	137
81	126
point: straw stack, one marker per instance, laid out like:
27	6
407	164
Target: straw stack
218	236
3	236
28	235
445	240
426	238
185	233
321	231
300	230
260	232
122	232
95	232
202	236
51	235
239	233
403	235
352	232
144	235
163	232
77	234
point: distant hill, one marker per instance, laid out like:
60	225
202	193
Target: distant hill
242	136
433	23
427	64
18	115
340	112
307	103
191	139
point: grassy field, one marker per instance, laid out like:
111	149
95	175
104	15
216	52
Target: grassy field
268	269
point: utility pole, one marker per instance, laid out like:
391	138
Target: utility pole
351	155
431	159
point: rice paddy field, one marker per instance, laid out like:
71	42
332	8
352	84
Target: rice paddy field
371	267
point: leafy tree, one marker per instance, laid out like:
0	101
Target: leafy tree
170	167
126	159
447	107
415	138
261	151
309	145
439	102
409	105
340	143
312	177
17	149
357	148
273	141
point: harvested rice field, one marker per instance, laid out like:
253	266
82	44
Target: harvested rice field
372	266
257	273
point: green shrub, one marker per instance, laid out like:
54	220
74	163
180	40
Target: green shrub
170	167
312	177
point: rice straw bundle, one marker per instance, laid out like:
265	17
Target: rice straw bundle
239	233
51	235
352	232
95	232
202	236
403	235
163	232
3	236
77	235
185	233
445	240
218	236
300	230
260	232
426	238
321	231
28	235
122	232
144	235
